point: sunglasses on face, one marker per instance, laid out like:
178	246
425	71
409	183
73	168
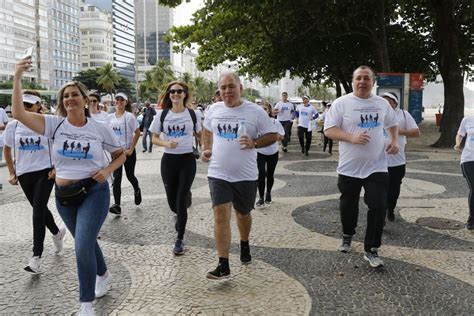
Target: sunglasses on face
178	91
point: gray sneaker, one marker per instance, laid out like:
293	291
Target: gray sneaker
346	243
373	258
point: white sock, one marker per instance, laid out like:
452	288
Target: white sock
86	304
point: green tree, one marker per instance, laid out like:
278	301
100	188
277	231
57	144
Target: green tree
108	78
125	85
251	94
89	78
156	80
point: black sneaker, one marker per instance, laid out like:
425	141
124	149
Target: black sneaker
138	197
268	198
178	249
144	150
306	153
245	256
219	273
302	150
390	216
260	202
346	243
470	226
115	209
285	149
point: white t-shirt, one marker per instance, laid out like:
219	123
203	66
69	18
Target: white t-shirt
305	114
101	117
31	149
77	152
3	122
228	161
284	110
124	127
355	115
178	127
405	121
273	148
467	129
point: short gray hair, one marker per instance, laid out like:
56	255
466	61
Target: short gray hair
232	74
372	72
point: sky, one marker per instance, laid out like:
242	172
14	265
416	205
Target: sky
184	12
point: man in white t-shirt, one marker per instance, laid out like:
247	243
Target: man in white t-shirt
230	136
305	114
397	163
284	110
357	121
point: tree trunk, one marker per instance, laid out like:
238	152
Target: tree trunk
446	36
379	37
338	88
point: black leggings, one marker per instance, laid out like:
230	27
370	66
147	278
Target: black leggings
270	161
395	175
130	172
468	172
178	172
37	189
302	134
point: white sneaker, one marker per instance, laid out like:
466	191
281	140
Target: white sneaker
86	309
102	284
58	240
34	265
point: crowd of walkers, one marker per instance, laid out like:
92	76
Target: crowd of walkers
81	149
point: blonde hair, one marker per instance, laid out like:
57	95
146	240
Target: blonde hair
60	109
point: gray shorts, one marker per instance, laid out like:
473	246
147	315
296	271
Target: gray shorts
242	194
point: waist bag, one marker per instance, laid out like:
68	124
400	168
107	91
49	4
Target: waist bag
74	194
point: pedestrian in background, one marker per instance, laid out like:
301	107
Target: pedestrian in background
230	138
397	163
31	166
178	165
148	115
327	142
305	113
125	126
466	130
284	110
82	192
358	120
95	112
267	159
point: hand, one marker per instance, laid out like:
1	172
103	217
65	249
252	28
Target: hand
23	65
393	149
457	147
128	152
172	144
52	174
246	142
275	111
206	155
361	138
13	180
101	175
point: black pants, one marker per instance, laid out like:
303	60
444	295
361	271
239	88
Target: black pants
287	127
178	172
375	198
130	172
395	175
468	172
302	134
147	133
37	189
327	141
266	169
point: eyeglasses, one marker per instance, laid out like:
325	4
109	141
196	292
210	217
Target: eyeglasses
178	91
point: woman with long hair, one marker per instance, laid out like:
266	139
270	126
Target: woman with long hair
125	127
82	192
267	159
30	165
178	123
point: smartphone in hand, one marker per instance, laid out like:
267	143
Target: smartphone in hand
28	52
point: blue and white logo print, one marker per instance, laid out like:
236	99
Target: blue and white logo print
369	120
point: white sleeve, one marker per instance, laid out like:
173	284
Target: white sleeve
9	134
208	119
51	123
280	128
155	126
4	116
132	120
462	128
409	121
334	115
264	123
390	118
110	141
198	124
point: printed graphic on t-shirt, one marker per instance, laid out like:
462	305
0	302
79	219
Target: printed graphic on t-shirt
117	130
30	144
76	147
369	118
227	130
176	130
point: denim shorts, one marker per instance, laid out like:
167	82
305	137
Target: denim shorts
242	194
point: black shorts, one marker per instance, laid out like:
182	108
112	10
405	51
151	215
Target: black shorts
242	194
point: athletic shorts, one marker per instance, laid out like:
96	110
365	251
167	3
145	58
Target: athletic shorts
242	194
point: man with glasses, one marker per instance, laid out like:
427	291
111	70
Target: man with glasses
284	110
232	130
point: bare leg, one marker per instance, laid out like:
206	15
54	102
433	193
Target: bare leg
222	232
244	223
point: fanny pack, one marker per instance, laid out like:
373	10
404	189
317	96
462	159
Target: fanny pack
74	194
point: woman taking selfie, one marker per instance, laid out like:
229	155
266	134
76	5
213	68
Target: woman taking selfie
82	191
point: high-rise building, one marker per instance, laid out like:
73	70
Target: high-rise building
123	25
64	42
96	37
152	22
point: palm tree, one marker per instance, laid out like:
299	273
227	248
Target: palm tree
161	74
108	78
